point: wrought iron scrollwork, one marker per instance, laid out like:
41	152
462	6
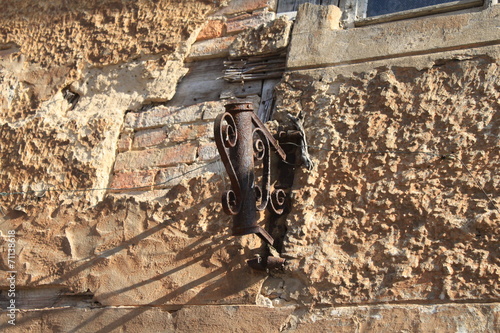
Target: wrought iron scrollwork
226	137
242	139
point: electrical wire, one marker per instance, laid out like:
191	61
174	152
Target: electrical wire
135	188
363	151
149	187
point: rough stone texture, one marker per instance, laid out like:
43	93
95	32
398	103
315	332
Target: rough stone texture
173	251
312	18
61	118
267	38
381	318
401	318
394	208
100	95
100	33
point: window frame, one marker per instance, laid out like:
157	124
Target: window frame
355	11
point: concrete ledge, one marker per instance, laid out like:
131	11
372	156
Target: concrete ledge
443	318
311	48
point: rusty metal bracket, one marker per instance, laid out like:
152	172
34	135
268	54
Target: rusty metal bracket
242	138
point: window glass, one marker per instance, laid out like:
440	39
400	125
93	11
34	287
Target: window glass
381	7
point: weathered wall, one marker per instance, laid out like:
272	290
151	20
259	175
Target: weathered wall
111	184
69	73
110	177
395	209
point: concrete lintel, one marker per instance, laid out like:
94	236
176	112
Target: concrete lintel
326	47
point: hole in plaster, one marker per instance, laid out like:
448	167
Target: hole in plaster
70	96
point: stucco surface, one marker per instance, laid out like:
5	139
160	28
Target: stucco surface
110	177
403	201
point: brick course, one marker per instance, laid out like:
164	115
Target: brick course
163	115
125	142
128	181
190	132
207	151
246	21
148	138
239	6
213	29
156	157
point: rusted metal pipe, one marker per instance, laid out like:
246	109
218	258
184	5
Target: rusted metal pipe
264	263
245	222
240	137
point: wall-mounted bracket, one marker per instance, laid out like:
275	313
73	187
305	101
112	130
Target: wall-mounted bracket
241	137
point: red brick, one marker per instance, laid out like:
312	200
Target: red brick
124	142
239	6
129	181
148	138
245	21
213	29
191	132
207	152
211	48
185	153
162	115
156	157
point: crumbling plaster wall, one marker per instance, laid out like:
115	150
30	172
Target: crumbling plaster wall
394	211
402	204
89	124
69	73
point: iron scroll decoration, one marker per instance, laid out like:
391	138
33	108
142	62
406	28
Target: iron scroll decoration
241	137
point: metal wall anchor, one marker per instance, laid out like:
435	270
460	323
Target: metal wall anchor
241	137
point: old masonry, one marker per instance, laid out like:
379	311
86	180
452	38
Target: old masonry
382	178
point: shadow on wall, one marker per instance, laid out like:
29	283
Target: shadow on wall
205	266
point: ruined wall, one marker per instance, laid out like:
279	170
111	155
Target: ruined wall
111	180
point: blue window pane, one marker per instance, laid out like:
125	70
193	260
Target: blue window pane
381	7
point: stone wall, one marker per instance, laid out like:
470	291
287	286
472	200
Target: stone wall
111	180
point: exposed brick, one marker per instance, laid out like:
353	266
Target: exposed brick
207	152
211	48
129	181
191	132
156	157
183	153
172	176
163	115
245	21
239	6
213	29
124	142
148	138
